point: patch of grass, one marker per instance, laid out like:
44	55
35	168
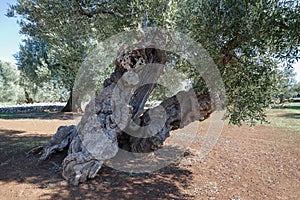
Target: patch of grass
287	116
46	185
23	115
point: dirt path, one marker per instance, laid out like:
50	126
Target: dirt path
247	163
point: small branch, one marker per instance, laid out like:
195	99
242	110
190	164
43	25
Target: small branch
91	14
284	26
99	11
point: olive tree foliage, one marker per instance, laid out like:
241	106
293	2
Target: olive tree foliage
247	39
9	88
69	28
297	90
287	85
40	76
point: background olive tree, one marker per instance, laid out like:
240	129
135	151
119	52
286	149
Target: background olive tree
286	85
9	87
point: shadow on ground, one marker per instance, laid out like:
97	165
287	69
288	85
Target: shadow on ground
292	106
39	115
166	183
291	115
13	144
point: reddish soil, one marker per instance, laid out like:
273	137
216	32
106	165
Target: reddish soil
246	163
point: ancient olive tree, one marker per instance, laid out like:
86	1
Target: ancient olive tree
245	39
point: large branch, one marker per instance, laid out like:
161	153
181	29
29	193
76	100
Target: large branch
180	110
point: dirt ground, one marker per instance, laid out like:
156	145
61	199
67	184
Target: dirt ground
261	162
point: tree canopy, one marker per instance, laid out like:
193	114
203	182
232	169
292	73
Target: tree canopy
246	39
287	87
9	77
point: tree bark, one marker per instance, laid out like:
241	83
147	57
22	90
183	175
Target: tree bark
68	106
28	98
116	117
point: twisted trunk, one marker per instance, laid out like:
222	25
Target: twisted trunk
116	118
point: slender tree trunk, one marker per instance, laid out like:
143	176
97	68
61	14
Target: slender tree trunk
281	99
117	119
28	98
68	106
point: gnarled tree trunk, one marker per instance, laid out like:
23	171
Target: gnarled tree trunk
117	119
